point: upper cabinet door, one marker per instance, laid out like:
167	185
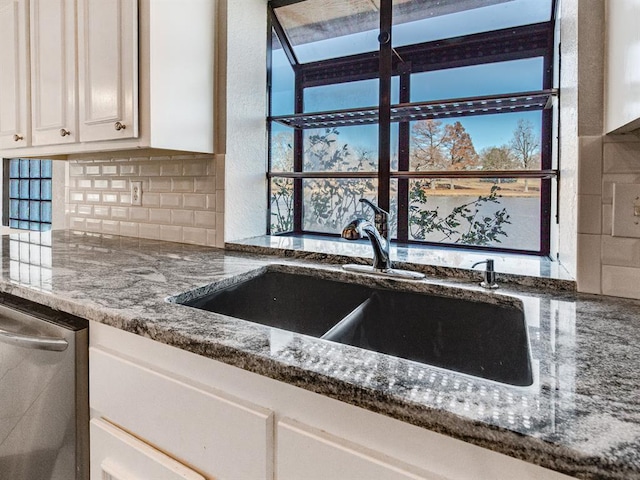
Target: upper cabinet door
53	72
108	69
14	74
622	82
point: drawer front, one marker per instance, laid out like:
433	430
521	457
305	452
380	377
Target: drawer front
219	435
307	453
116	455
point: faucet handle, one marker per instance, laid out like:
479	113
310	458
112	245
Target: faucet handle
381	218
489	274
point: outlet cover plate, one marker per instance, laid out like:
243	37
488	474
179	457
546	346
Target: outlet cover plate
136	193
626	210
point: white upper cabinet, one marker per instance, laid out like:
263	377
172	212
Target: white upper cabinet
106	75
53	72
14	74
107	61
623	66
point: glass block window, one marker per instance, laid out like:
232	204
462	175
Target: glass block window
29	201
30	259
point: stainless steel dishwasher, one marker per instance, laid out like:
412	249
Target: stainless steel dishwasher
44	408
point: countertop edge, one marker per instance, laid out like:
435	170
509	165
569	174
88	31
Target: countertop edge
88	297
513	444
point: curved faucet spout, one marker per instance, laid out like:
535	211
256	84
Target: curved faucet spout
378	235
359	228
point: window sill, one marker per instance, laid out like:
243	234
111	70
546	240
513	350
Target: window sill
532	271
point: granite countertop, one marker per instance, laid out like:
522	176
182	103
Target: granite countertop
581	417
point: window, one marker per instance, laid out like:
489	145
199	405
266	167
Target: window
29	187
30	259
447	126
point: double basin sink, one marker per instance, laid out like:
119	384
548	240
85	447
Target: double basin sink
479	338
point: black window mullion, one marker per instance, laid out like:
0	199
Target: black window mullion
546	148
384	112
404	138
298	141
270	34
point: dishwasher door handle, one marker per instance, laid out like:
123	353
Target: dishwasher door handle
29	341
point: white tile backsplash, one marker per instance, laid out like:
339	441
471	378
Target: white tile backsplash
589	267
170	168
623	252
590	166
182	217
171	233
621	281
607	212
160	215
622	157
111	226
182	196
612	265
149	230
129	229
171	200
589	214
196	201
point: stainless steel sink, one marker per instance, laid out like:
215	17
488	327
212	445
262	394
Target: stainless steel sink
484	339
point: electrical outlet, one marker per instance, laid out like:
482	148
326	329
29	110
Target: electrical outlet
136	193
626	210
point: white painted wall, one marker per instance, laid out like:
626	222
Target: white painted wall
568	145
246	109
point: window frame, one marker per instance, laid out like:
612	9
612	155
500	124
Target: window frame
515	43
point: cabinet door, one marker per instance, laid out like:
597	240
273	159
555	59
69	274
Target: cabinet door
14	74
622	82
309	453
220	435
116	455
108	69
53	72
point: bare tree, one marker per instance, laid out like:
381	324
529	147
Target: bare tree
427	141
435	147
525	145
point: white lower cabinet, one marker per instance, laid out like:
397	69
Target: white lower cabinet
217	434
312	454
117	455
226	423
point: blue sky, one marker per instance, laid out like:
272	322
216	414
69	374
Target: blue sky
485	131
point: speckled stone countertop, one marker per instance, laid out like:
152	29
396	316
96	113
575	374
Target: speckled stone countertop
581	416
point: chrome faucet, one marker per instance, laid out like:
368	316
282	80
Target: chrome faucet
378	235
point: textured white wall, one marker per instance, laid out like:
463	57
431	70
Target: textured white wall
568	149
246	108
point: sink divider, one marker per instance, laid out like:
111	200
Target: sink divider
344	328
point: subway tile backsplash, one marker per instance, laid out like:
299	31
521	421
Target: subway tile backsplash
606	264
182	197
